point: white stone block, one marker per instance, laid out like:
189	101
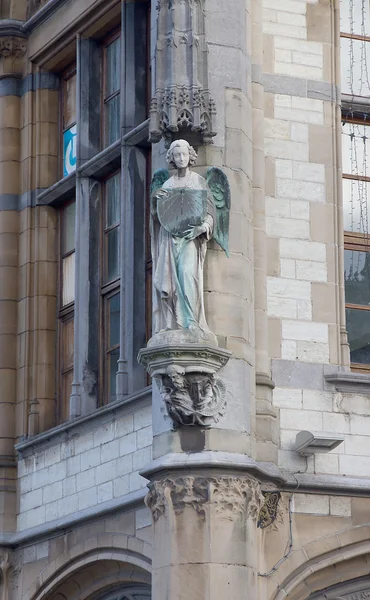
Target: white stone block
305	331
327	463
283	55
269	15
294	114
317	400
42	550
109	451
143	518
73	465
105	472
283	100
84	442
357	445
290	228
286	288
142	458
340	506
90	459
291	19
56	472
277	208
288	271
290	6
313	352
31	500
128	444
311	60
284	30
144	437
310	504
300	209
300	419
287	398
299	45
52	456
85	480
68	505
279	307
300	249
336	423
359	425
304	310
124	465
53	492
86	500
276	129
291	460
355	466
300	190
286	148
314	172
311	271
284	168
121	486
287	439
104	433
136	482
124	425
142	418
308	104
288	350
299	132
69	485
105	492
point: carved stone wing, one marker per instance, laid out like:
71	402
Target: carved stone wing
220	189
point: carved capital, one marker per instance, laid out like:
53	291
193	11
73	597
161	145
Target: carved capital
232	497
9	571
12	47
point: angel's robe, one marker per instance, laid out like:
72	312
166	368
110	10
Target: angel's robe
178	266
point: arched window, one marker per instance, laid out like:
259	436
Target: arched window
129	592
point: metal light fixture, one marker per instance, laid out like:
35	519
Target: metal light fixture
313	442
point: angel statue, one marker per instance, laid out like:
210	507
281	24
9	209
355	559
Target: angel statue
187	210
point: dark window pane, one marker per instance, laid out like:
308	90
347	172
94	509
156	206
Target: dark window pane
113	368
112	65
356	205
68	228
66	385
112	238
357	277
356	148
358	327
112	120
67	344
69	101
114	320
113	200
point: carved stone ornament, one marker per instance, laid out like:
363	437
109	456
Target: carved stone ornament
12	47
186	377
181	101
9	572
232	497
269	510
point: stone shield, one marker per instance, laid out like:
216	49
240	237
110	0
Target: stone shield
182	208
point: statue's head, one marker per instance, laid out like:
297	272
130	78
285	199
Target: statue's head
181	155
176	374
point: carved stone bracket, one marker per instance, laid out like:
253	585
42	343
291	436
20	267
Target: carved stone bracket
269	510
181	101
12	47
186	375
232	497
9	571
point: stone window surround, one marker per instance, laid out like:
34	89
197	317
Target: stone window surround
93	166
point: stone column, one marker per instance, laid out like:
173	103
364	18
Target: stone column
201	524
11	54
267	433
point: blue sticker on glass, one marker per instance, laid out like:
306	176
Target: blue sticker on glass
69	150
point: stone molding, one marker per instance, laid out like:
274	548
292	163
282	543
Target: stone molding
181	102
231	496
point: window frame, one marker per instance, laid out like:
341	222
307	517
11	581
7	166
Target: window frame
115	34
70	71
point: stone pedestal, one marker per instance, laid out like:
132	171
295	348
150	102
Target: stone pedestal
201	527
187	379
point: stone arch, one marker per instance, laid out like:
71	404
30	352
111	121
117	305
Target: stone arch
91	575
324	564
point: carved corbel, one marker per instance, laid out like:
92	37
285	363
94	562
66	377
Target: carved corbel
181	102
9	572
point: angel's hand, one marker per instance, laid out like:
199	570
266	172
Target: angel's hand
160	193
195	231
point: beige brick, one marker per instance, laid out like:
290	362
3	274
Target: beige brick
274	337
273	257
321	144
311	504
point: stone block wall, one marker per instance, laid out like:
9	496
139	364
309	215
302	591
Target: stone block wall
92	464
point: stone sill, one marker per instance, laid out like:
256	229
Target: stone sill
350	383
81	424
58	192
